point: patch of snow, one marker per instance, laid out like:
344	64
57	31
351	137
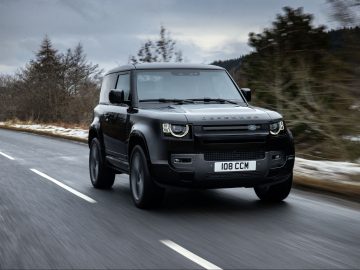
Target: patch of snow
355	107
352	138
70	132
327	170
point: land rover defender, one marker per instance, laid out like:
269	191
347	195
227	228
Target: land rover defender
190	126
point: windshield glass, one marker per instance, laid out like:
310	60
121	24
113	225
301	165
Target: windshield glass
186	84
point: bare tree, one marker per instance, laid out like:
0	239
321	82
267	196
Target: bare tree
161	50
77	71
347	12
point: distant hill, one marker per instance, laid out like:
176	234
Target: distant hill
231	64
338	37
338	44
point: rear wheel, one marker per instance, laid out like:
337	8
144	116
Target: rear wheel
101	176
145	192
275	193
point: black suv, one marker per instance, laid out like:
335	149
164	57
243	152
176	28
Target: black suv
188	126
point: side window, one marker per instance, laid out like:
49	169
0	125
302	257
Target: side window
107	84
123	83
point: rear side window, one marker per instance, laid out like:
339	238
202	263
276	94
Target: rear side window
123	83
108	83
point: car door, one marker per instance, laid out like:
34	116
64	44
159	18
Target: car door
107	113
120	118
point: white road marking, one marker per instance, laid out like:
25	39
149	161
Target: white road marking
73	191
188	254
7	156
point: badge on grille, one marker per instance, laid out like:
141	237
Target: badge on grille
251	127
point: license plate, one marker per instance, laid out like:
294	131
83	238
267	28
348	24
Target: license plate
235	166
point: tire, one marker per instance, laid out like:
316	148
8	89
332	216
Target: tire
101	176
275	193
145	192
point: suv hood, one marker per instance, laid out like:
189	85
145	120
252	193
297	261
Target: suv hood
222	113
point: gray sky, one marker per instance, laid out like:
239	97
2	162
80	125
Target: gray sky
111	30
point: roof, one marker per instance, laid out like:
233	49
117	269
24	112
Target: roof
163	66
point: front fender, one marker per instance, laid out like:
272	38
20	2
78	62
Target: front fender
95	131
151	137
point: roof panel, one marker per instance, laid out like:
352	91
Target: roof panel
163	66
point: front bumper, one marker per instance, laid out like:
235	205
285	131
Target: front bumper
193	170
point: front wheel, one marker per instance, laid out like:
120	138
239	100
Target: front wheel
102	177
145	192
275	193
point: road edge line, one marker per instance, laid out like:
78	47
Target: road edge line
7	156
62	185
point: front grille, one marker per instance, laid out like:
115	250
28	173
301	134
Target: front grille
235	128
234	155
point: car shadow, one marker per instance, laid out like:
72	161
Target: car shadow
214	201
197	200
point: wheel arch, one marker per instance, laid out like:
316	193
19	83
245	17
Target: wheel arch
95	133
137	138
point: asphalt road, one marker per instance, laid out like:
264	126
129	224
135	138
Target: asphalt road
51	217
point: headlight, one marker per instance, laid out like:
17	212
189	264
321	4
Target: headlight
178	131
276	128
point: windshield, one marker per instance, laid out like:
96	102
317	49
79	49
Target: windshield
186	84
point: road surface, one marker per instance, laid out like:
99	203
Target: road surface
51	217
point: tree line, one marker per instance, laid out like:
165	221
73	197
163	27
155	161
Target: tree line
53	87
64	87
309	74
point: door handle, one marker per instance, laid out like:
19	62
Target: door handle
110	117
107	117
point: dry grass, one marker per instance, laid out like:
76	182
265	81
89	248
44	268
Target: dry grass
344	188
16	121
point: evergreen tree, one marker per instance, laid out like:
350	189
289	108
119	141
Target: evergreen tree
42	82
292	71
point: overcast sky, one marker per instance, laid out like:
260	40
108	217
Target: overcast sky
111	30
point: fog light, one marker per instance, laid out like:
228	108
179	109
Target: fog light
182	160
276	157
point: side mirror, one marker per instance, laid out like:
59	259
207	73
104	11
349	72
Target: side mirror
117	97
247	93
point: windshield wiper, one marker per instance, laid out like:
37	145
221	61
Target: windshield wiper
221	100
189	100
166	100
